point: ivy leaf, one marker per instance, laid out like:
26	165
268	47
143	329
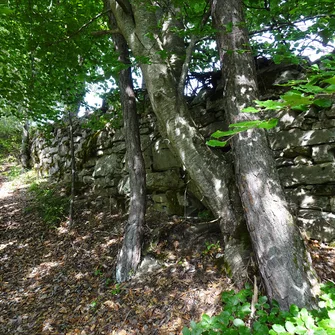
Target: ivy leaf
216	143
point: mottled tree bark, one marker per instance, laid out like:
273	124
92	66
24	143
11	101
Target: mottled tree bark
282	259
130	253
162	77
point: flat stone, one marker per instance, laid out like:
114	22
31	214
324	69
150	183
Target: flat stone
107	165
323	153
164	181
304	174
293	152
163	159
317	225
300	138
302	198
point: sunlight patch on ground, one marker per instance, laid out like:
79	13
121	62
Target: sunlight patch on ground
43	269
5	245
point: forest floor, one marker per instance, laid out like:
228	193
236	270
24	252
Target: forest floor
58	280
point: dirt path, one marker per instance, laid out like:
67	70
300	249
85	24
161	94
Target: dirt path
59	280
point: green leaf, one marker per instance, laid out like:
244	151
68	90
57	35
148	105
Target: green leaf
290	327
220	133
270	104
245	124
186	331
279	329
296	99
216	143
323	103
250	110
330	89
330	81
238	323
268	124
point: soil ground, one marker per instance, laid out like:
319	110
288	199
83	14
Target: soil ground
59	280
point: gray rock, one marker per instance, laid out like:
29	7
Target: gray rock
107	166
304	174
164	181
323	153
163	159
300	138
317	224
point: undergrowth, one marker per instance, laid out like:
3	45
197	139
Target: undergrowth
236	317
48	203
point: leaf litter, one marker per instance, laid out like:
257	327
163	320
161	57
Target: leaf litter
60	280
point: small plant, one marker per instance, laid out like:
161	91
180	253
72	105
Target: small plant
117	289
47	202
237	317
211	248
14	172
97	272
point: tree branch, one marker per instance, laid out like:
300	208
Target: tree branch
85	25
186	65
285	24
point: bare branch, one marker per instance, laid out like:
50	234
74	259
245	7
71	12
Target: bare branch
186	65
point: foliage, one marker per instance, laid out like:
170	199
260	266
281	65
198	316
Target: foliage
236	317
50	205
295	27
316	90
211	248
10	136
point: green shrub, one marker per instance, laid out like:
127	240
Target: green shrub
10	136
235	317
48	203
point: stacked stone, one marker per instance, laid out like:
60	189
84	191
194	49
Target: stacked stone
304	148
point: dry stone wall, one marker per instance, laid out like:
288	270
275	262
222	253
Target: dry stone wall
303	147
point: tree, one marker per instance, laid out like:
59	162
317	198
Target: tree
130	253
165	78
162	37
282	260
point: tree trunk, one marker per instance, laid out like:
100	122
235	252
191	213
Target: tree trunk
130	254
73	165
283	261
25	154
209	171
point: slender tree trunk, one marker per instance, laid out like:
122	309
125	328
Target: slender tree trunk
283	261
130	254
209	171
25	154
73	166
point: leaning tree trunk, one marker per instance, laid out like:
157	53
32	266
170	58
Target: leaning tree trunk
130	253
283	261
162	78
